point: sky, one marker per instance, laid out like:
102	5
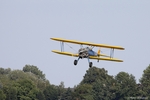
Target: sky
26	27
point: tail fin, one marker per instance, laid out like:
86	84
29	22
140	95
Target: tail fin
98	52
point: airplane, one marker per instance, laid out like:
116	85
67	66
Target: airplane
87	52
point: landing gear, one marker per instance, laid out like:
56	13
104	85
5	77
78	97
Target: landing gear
90	64
75	62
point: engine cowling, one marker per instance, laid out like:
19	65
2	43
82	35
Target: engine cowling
83	53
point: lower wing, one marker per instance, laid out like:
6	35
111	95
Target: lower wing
107	58
65	53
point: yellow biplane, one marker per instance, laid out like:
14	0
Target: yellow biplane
87	52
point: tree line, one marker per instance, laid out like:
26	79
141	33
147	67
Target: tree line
30	84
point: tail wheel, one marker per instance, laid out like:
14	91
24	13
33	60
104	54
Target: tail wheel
90	64
75	62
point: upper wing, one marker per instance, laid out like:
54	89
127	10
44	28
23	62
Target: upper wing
88	43
91	57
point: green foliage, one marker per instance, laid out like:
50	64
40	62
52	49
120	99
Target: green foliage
96	85
34	70
2	95
60	89
50	93
13	93
4	71
26	88
40	95
10	92
94	74
31	84
1	85
103	87
67	95
126	85
84	91
19	85
17	74
145	83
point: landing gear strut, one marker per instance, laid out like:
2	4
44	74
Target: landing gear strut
76	62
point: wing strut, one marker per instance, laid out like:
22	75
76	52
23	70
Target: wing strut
62	46
112	53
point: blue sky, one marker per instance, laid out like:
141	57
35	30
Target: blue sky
26	27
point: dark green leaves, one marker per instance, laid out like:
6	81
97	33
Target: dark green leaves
31	84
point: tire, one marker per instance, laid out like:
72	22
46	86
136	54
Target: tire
75	62
90	64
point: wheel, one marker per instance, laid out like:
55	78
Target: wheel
75	62
90	64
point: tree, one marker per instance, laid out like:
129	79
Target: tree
126	86
83	92
41	84
145	83
34	70
1	85
104	90
10	91
4	71
13	93
17	74
99	84
26	89
2	95
94	74
60	89
40	95
30	84
67	95
50	93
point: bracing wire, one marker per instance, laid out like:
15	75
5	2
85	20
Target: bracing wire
70	47
103	51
